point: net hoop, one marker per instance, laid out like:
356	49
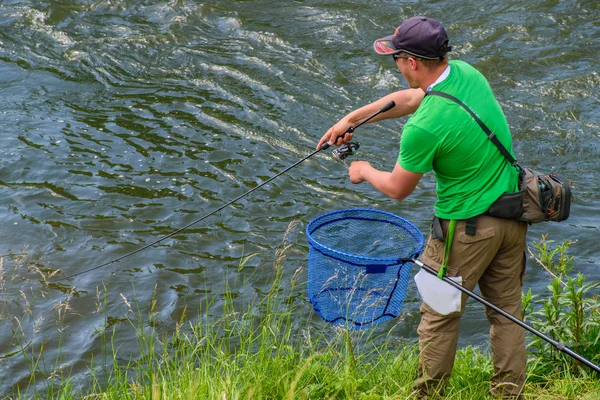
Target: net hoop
358	273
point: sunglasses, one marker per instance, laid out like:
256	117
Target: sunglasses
396	57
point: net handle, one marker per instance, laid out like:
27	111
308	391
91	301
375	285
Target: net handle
558	345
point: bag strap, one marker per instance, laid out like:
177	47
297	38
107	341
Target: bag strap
491	135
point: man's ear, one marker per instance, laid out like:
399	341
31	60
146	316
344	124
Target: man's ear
413	63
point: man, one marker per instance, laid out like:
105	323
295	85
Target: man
470	174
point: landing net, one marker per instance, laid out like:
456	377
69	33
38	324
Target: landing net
355	276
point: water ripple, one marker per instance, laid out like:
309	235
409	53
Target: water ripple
123	121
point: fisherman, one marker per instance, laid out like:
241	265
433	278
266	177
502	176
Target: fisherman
471	174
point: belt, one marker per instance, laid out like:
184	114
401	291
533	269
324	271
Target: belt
470	229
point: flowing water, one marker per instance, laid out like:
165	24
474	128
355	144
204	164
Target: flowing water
123	121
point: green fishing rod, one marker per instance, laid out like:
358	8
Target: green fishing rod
340	155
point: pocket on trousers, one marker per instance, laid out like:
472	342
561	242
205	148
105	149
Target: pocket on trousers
473	251
434	251
481	234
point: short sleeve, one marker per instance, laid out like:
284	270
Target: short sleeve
417	149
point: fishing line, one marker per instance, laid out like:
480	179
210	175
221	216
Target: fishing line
325	146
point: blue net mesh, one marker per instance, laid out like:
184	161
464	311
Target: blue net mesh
355	277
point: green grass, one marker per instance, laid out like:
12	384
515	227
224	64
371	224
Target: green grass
263	350
253	357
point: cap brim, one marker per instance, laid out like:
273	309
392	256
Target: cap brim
384	46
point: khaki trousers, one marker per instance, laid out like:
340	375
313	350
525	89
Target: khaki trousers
494	258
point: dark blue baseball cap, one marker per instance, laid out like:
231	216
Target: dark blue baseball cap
421	37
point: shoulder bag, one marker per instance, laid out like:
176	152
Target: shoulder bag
541	197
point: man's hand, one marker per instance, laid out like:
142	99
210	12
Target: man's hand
407	101
356	169
396	184
335	134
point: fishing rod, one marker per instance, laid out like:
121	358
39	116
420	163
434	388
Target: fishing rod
324	146
560	346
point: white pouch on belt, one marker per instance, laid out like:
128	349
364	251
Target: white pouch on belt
439	295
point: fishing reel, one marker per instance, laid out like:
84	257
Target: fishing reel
345	150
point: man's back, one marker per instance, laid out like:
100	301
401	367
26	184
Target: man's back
441	136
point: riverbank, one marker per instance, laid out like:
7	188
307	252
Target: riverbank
202	369
263	350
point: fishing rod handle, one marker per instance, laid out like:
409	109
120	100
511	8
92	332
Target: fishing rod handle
388	106
326	145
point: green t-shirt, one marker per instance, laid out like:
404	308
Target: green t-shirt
470	171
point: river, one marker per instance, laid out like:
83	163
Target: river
123	121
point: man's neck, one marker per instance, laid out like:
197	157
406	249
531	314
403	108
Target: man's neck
431	76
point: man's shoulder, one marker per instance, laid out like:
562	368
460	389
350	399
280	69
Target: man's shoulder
465	70
460	64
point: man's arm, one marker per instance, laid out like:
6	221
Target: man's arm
407	101
397	184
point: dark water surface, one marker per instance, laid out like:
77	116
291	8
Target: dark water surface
122	121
